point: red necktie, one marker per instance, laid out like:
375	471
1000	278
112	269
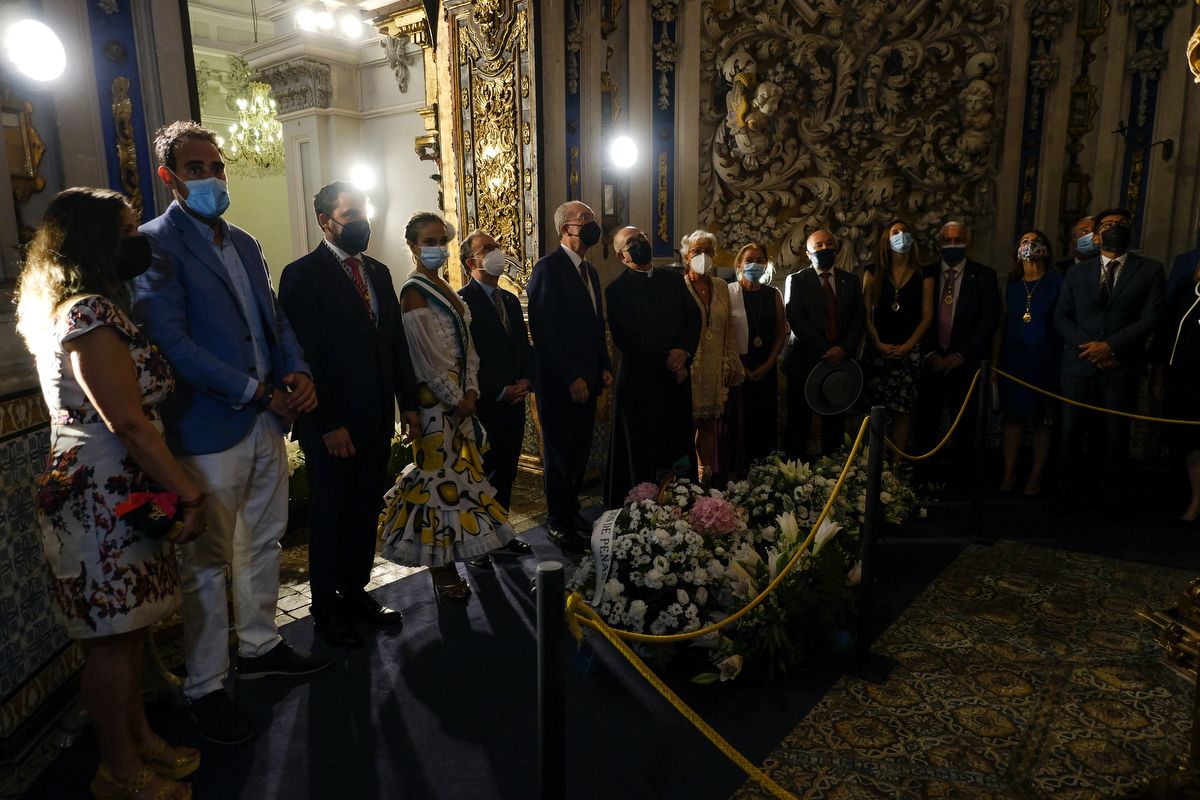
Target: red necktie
946	310
353	268
831	326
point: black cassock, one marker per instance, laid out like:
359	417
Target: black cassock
650	315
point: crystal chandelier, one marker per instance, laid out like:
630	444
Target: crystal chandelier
255	146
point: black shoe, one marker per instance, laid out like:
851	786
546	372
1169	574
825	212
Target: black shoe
219	720
335	629
518	547
365	607
279	660
582	524
481	562
567	540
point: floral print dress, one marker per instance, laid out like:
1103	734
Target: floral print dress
442	509
107	578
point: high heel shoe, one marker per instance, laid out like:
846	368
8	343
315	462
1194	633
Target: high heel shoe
182	763
142	787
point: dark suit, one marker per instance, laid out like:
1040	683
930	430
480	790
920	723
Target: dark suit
1125	323
568	343
505	357
804	305
362	371
976	315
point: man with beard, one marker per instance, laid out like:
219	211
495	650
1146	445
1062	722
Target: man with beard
1108	307
656	326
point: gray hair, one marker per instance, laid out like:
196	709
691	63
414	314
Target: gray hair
561	214
465	247
957	223
685	244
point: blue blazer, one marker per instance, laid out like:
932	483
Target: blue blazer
186	305
1125	323
568	333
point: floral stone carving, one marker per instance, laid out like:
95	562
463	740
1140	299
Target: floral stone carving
845	113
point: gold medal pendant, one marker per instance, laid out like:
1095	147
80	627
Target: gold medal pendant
758	341
1027	317
949	299
708	334
895	306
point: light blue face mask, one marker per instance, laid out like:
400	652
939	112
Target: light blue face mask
900	242
1086	245
753	272
434	257
208	197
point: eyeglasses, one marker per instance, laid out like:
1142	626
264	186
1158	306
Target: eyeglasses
483	251
634	241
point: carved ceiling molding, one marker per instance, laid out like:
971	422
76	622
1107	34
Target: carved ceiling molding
399	58
299	84
845	114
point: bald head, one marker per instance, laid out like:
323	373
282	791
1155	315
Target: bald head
622	243
820	239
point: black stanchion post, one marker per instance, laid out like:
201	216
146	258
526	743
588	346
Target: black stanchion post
873	516
983	398
551	625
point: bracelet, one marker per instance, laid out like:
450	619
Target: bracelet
199	501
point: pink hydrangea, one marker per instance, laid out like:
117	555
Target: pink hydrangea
643	491
713	516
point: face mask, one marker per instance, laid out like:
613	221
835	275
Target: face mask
1116	239
1085	245
133	257
208	197
700	263
823	259
589	234
953	255
640	253
434	257
753	272
900	242
354	236
493	262
1032	251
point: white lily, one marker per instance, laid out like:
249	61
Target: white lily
772	562
855	576
826	532
789	529
730	668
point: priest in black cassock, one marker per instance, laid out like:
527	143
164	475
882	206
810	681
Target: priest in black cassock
656	326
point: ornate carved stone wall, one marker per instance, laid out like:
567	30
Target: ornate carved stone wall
846	113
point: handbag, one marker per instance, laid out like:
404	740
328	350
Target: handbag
157	515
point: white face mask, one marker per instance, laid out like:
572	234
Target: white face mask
493	262
701	263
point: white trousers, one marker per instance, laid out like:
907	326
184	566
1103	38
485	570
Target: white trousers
246	511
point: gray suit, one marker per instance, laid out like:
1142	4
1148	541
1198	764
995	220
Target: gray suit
1124	323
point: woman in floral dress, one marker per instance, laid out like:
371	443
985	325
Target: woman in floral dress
101	380
716	365
442	509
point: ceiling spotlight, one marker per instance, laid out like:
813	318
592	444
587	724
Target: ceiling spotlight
623	152
351	26
325	20
35	50
363	177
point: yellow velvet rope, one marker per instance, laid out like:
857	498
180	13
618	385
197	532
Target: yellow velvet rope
949	433
1089	407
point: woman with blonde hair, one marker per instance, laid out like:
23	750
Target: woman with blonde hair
716	365
112	577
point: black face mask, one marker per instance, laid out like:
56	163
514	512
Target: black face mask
355	236
133	257
640	253
589	234
1117	238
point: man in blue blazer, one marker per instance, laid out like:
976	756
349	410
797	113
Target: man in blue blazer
505	367
1108	308
819	336
566	318
966	311
346	315
241	380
